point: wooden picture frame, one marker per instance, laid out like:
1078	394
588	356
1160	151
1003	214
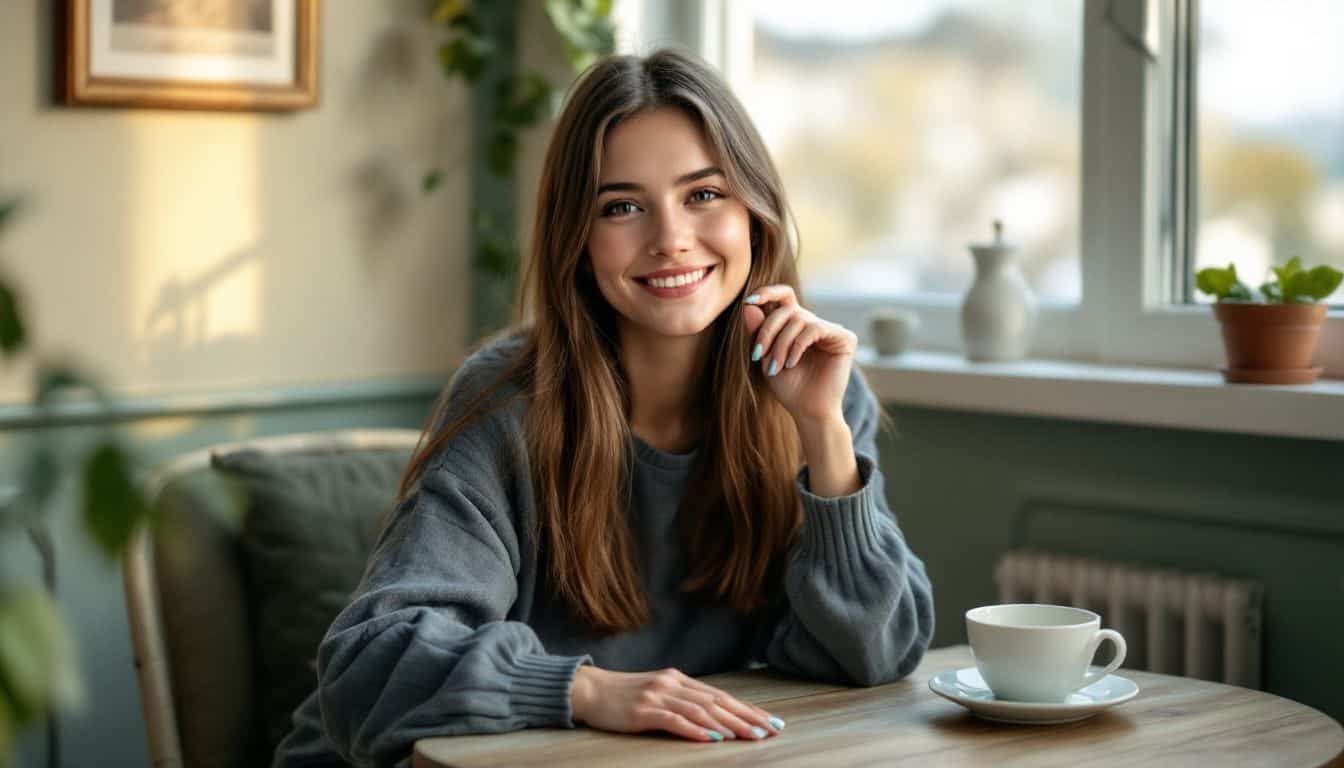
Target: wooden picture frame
239	55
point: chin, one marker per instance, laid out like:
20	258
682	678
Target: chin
680	328
685	325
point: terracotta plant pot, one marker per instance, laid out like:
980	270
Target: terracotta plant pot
1270	343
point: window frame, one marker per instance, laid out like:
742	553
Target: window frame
1138	182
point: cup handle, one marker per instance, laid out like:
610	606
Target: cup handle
1120	649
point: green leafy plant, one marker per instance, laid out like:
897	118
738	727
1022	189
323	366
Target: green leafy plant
39	671
468	50
1291	284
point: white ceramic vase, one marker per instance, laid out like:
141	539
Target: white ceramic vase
998	315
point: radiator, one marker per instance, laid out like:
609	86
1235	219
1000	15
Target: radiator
1196	625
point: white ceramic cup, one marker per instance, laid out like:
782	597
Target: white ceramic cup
891	330
1039	653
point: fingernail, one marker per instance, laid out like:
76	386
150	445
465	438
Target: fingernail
758	732
752	299
715	735
757	352
776	723
790	363
774	368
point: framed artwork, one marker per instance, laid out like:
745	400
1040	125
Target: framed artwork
190	54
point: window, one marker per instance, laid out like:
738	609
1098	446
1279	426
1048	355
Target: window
1270	116
923	123
1125	144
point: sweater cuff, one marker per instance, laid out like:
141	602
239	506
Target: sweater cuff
841	524
539	691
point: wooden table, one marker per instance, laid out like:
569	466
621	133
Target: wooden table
1173	721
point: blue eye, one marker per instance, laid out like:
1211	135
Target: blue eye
619	207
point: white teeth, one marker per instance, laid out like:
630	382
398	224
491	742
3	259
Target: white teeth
678	281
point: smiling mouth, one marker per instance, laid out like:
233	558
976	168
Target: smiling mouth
664	283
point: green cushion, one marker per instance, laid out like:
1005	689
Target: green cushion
310	523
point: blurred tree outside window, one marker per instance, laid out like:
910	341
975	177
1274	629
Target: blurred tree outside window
903	129
1270	100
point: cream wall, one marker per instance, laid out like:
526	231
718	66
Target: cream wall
177	251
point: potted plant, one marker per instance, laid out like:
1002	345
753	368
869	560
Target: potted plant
1270	335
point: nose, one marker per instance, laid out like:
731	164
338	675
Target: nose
673	232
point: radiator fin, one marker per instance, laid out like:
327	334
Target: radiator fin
1192	624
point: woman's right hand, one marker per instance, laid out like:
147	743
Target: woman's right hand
666	700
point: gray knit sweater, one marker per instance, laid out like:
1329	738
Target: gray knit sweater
454	628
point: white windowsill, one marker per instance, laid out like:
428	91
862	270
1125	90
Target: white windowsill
1155	397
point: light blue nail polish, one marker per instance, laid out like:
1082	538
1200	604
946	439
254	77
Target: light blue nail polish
715	735
757	352
776	723
790	364
759	732
753	298
774	368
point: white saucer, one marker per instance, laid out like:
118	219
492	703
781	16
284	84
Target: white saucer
967	688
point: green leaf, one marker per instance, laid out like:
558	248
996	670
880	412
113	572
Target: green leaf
466	55
1271	292
12	332
1306	287
113	503
467	22
1285	274
521	101
496	257
585	27
431	181
446	11
496	252
500	152
1222	283
8	726
1321	282
38	666
43	473
7	209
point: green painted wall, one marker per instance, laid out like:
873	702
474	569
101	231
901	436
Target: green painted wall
968	487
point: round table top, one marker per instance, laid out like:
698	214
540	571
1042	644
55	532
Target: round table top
1172	721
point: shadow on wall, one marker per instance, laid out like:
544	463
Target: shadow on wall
386	99
287	292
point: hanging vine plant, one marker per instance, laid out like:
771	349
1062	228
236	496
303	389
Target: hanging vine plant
478	48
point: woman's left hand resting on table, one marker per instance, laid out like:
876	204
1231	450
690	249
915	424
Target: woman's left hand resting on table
665	700
807	361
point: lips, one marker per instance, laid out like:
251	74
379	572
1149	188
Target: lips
668	278
675	283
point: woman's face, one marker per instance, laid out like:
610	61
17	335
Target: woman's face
670	248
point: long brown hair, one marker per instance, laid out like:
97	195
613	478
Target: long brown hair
740	512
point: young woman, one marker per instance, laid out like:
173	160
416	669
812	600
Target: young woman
670	471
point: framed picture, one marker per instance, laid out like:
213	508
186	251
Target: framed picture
190	54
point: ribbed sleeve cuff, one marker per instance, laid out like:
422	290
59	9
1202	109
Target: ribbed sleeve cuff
842	524
539	693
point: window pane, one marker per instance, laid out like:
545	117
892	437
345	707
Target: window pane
1271	135
903	129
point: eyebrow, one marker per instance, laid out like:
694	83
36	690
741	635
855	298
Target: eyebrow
617	186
